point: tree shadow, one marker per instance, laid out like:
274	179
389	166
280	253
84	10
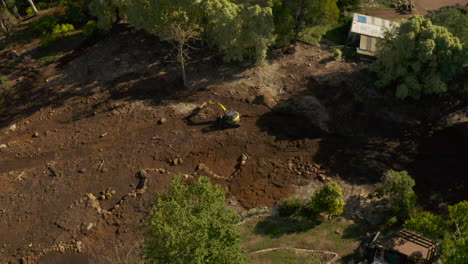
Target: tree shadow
277	226
125	65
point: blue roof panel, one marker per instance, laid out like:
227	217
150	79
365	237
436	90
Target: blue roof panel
362	19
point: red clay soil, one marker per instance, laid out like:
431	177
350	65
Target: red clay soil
90	122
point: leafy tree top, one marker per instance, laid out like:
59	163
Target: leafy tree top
192	224
419	58
328	199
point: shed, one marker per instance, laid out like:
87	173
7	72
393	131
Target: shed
367	30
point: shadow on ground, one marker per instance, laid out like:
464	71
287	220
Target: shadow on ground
125	65
276	226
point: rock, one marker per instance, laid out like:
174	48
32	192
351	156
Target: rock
457	117
12	127
2	146
36	134
103	135
162	121
310	107
266	99
79	246
82	170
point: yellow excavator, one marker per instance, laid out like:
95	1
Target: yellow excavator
230	117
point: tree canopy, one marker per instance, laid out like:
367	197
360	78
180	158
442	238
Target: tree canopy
239	30
455	19
192	224
399	186
419	58
453	231
328	200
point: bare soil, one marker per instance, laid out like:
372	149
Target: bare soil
84	126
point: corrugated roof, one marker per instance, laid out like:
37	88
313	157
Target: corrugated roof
370	26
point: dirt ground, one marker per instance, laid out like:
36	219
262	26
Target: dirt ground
421	7
75	134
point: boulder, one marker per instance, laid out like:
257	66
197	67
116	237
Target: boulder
266	99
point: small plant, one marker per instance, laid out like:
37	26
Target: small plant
30	11
289	207
3	79
62	30
337	53
45	25
59	31
90	29
42	6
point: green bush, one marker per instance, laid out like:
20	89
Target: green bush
3	79
45	25
90	29
30	11
328	200
59	31
313	35
337	53
42	5
76	12
432	226
289	207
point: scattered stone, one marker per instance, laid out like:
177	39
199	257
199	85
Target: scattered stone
82	170
162	121
79	246
12	127
103	135
266	99
36	134
2	146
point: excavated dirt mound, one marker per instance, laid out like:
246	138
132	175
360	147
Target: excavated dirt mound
75	136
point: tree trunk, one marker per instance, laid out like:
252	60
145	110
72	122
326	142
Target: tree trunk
15	11
5	29
33	7
181	59
299	20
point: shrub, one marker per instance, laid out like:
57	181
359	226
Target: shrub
328	200
337	54
45	25
289	207
399	186
30	11
90	28
3	79
59	31
426	223
42	5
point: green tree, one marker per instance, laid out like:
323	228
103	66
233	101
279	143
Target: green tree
455	19
428	224
455	244
399	186
419	58
295	15
328	200
348	5
192	224
239	30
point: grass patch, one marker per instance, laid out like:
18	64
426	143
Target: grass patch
285	256
338	236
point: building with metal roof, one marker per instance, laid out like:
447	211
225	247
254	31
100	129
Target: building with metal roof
367	30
